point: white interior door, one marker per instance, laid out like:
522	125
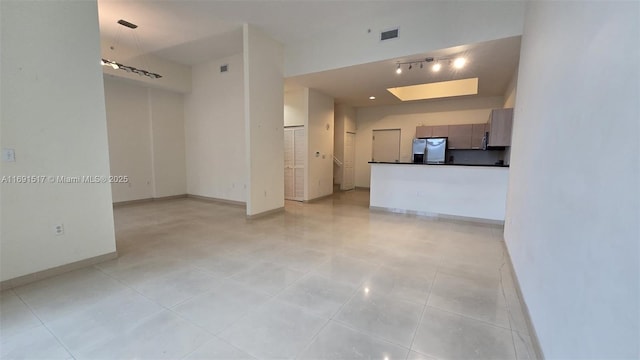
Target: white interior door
348	174
386	145
294	155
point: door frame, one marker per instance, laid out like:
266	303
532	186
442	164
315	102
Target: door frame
344	161
399	140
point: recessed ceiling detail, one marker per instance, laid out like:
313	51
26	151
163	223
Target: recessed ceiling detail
436	90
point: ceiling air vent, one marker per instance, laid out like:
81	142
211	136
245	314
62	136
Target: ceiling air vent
224	68
389	34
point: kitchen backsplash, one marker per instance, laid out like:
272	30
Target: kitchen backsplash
476	157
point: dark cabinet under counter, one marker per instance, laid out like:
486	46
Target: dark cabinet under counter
445	164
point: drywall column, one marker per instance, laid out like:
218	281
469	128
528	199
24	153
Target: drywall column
338	142
573	206
319	125
263	115
53	115
215	131
168	140
146	140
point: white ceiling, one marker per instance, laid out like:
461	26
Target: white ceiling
192	32
492	62
187	31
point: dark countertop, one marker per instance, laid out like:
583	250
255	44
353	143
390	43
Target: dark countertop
408	163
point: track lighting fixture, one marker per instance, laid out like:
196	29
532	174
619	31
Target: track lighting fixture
459	63
456	63
130	69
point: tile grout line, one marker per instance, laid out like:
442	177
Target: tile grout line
331	318
375	337
504	296
424	310
44	325
170	309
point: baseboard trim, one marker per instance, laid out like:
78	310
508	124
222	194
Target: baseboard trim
265	213
170	197
437	216
217	200
142	201
43	274
317	199
362	188
535	341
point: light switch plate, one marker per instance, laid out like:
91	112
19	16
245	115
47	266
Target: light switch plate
8	155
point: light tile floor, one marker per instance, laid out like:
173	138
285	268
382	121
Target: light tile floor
326	280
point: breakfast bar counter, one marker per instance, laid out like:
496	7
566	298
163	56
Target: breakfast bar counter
455	191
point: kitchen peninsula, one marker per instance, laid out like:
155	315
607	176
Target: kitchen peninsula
456	191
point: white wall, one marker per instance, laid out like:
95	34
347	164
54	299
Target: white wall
424	26
510	102
573	203
338	141
175	77
146	140
168	140
510	94
296	107
263	115
53	115
409	115
477	192
129	128
320	140
345	121
215	131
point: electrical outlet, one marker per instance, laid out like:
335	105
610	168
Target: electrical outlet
8	155
58	229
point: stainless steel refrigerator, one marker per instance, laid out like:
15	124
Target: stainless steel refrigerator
436	152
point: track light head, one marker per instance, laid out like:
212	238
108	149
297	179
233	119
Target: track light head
459	63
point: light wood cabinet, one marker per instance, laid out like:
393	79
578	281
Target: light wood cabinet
500	124
477	135
424	131
460	136
471	136
432	131
440	131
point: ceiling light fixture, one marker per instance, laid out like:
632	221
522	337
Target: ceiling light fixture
455	62
114	65
130	69
459	63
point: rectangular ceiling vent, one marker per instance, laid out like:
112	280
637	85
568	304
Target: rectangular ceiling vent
224	68
389	34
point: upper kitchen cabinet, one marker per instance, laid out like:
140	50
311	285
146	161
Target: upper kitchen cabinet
477	135
500	124
424	131
432	131
460	136
440	131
